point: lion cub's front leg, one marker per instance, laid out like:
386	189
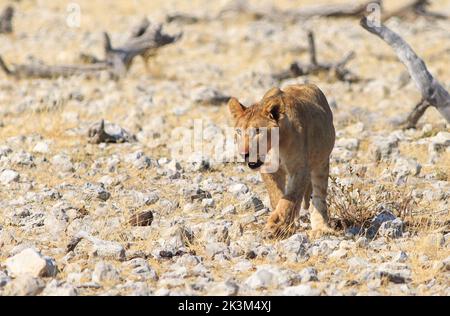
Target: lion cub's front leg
281	220
319	213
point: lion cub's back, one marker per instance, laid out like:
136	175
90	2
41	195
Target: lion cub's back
309	93
312	110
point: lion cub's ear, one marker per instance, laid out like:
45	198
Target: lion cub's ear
274	110
272	92
235	107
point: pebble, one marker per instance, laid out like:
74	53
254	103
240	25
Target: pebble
7	176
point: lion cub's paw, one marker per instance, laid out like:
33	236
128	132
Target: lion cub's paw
278	227
322	230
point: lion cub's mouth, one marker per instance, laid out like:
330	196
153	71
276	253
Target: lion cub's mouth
255	165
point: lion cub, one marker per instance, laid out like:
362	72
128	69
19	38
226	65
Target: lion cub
306	138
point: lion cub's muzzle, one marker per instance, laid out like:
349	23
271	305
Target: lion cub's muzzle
253	164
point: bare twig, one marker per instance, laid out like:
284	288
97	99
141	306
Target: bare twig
314	67
144	218
6	20
414	8
432	91
312	48
416	114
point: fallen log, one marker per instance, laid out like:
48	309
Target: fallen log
338	69
41	70
433	93
6	20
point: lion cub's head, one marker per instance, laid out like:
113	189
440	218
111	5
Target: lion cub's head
255	125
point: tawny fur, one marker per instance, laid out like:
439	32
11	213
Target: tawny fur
306	139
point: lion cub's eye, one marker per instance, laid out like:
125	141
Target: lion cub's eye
239	132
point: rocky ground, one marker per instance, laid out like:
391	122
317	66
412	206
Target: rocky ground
68	223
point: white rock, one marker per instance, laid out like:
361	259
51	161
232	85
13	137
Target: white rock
24	285
348	143
357	262
362	242
391	229
243	265
376	222
142	269
7	176
434	240
308	274
238	188
208	202
5	151
440	141
269	277
105	272
109	250
41	148
30	262
55	288
139	160
406	167
301	290
208	95
4	279
446	263
230	209
339	254
384	146
62	163
227	288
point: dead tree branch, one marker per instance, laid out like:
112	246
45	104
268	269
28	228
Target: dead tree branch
97	134
350	9
414	8
6	20
314	67
334	10
143	41
274	14
416	114
432	91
